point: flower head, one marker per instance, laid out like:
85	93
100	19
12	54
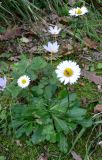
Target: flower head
78	11
68	72
23	81
2	83
52	47
54	30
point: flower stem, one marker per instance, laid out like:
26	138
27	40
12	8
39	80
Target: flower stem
68	98
75	31
51	57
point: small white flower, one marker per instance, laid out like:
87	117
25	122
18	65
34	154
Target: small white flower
3	82
68	72
54	30
52	47
78	11
100	143
23	81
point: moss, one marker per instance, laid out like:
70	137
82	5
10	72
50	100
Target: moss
12	151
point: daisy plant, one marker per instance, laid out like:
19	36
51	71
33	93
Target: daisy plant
39	110
52	48
77	12
68	72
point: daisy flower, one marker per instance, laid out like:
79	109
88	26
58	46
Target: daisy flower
2	83
68	72
23	81
52	47
54	30
78	11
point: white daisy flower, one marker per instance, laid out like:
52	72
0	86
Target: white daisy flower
78	11
68	72
54	30
23	81
52	47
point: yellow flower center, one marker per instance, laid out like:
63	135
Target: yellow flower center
24	81
68	72
78	11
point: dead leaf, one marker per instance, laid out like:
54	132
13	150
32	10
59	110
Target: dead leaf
66	50
82	84
97	55
33	49
100	143
64	20
98	108
99	88
89	43
24	40
75	156
14	58
43	157
91	76
18	143
11	33
72	2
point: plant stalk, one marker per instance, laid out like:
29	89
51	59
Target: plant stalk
68	98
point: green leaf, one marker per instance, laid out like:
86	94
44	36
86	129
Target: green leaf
21	67
31	74
48	132
2	29
72	97
63	144
48	92
61	125
76	112
86	123
37	135
3	115
37	90
14	90
99	66
58	108
38	63
2	158
63	93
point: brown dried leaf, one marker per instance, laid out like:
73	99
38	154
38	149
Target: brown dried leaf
18	143
91	76
64	20
11	33
72	2
75	156
66	50
89	43
99	88
98	108
33	49
43	157
82	84
14	58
